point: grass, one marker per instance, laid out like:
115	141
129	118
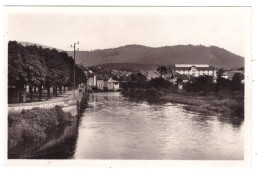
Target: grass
227	103
209	104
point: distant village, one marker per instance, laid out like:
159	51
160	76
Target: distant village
100	79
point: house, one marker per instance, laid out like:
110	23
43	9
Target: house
151	75
194	69
112	85
97	81
224	75
92	80
101	82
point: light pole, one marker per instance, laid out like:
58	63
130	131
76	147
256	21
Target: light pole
74	66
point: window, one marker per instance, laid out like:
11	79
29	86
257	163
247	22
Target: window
116	83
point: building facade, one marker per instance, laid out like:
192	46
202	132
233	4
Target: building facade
194	70
92	80
100	83
112	85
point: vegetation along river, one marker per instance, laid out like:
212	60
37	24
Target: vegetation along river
115	127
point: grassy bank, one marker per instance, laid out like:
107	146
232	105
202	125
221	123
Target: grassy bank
209	104
231	104
144	94
34	125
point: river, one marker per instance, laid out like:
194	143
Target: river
116	127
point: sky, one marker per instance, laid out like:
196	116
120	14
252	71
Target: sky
109	27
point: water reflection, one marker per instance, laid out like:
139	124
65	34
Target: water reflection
115	127
235	121
60	144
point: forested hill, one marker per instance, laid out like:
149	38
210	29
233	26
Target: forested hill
181	54
132	67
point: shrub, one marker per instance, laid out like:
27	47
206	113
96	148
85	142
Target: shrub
63	116
46	118
152	91
34	124
14	134
159	83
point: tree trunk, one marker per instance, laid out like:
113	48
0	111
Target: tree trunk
60	89
48	91
31	93
34	89
20	88
63	89
55	91
40	92
20	95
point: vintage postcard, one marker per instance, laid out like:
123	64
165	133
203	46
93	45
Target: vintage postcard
128	86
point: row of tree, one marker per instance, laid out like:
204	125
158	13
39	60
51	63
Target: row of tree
37	67
204	83
138	80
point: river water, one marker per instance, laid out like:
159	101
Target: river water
116	127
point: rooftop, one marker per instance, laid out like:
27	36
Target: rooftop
190	65
112	81
198	68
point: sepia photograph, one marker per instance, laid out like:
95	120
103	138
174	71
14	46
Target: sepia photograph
128	83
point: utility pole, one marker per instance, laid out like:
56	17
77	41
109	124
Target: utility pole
74	67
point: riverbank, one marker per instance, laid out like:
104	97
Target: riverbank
35	124
145	131
230	105
209	104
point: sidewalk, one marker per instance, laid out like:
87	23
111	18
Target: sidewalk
64	99
64	96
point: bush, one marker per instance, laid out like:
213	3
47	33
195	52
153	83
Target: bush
151	91
34	124
46	118
203	84
159	83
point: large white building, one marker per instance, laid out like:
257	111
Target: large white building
194	69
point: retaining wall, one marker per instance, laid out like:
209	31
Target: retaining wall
68	105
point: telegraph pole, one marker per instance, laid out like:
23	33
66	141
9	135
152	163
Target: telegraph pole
74	67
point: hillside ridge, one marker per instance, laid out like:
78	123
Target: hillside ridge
165	55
